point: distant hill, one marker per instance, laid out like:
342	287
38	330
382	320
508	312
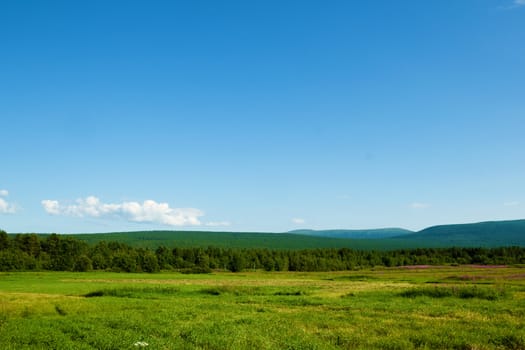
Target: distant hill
481	234
485	234
154	239
263	240
356	234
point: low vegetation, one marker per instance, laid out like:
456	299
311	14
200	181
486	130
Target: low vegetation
463	292
455	307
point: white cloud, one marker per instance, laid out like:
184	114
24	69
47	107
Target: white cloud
218	223
298	221
511	203
6	208
148	211
51	207
418	205
519	2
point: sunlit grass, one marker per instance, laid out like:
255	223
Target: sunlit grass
375	309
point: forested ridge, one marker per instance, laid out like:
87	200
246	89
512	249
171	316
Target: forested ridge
31	252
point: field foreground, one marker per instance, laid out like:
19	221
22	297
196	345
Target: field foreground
403	308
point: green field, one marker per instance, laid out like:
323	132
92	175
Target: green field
401	308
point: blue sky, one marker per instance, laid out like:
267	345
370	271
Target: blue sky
260	115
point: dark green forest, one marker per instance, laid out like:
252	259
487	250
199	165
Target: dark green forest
31	252
483	234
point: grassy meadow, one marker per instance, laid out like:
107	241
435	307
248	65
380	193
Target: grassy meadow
397	308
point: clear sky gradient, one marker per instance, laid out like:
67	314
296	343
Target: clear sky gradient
260	115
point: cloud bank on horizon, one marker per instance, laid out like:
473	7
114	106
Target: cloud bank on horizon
148	211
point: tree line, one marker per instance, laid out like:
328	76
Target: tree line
31	252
